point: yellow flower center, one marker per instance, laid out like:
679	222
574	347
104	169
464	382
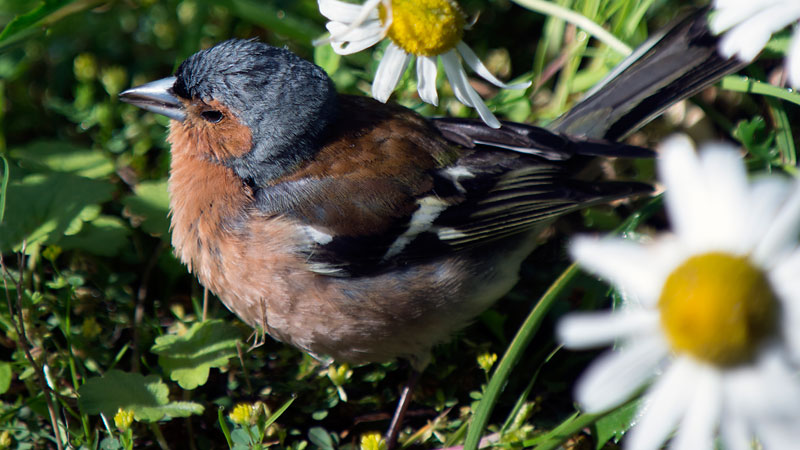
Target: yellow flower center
424	27
718	308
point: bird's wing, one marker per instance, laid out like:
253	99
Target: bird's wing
396	190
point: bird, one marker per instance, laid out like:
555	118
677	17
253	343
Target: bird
358	230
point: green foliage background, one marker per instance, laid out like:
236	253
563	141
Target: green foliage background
111	320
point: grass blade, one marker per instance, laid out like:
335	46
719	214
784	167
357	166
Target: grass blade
513	355
4	187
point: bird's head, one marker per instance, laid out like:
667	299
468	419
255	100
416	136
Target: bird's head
257	109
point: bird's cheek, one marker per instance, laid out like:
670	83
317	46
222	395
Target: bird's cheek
233	139
222	141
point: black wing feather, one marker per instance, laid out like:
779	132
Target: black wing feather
504	182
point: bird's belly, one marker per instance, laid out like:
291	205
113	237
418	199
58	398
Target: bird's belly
259	275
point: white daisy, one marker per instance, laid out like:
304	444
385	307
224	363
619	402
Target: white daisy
425	29
712	316
749	24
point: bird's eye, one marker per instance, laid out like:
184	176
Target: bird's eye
211	115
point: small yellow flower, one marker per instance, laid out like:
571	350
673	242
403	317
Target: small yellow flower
90	328
51	252
487	360
339	374
123	419
372	441
244	414
5	439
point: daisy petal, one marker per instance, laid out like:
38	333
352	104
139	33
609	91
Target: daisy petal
636	269
766	390
339	11
464	92
787	287
735	433
390	70
743	42
587	330
727	16
726	185
476	65
783	230
664	406
451	69
748	38
357	39
367	30
687	195
793	60
350	47
698	425
763	202
426	80
778	434
615	376
366	12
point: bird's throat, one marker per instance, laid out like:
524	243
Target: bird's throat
207	200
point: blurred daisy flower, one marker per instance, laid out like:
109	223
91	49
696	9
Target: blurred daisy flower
712	312
425	29
748	26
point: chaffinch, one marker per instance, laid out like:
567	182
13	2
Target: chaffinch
347	227
355	229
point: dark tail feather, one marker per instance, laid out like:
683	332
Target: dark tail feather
669	67
531	140
598	147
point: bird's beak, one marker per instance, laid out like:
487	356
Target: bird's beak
156	97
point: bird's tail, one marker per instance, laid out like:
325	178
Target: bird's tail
672	65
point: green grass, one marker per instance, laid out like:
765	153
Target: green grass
98	313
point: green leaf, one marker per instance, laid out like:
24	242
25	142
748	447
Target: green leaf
189	358
223	424
325	57
104	236
755	136
43	207
110	443
240	438
615	424
276	19
147	397
58	156
181	409
321	438
149	207
5	376
33	18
